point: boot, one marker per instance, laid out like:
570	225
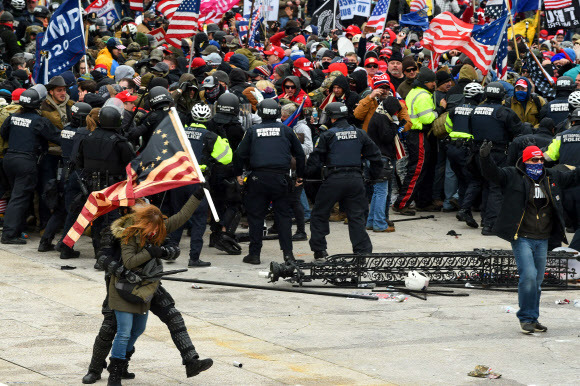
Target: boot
115	370
93	376
196	366
45	246
464	215
125	374
68	253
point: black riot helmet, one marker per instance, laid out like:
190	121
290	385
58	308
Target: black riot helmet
30	99
41	11
159	97
111	114
228	104
494	90
565	83
269	109
79	112
574	117
336	110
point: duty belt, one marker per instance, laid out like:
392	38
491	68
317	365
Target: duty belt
269	170
343	169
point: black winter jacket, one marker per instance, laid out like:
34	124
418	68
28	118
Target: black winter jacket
516	185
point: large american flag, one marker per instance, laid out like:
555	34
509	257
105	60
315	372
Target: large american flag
557	4
164	164
495	9
212	11
168	7
136	5
539	76
379	16
446	32
501	58
417	5
184	22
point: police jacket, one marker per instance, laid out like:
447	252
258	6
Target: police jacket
28	133
207	146
67	136
558	110
494	122
565	147
104	151
457	121
269	146
232	131
341	147
422	109
517	192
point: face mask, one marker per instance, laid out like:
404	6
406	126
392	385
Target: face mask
350	67
534	171
325	65
521	96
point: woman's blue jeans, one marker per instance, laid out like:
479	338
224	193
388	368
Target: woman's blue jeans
530	255
129	328
378	210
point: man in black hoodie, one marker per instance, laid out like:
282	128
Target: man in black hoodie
342	93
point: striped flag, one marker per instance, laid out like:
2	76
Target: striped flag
257	21
292	119
136	5
213	10
501	58
557	4
168	7
379	16
184	22
538	75
164	164
446	32
417	5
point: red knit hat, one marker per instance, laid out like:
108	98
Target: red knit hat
531	152
16	93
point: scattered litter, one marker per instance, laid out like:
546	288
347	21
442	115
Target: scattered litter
453	233
366	285
577	303
565	301
264	274
196	286
67	267
509	309
389	297
469	285
237	364
482	371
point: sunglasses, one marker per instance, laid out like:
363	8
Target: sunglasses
290	86
536	160
372	66
411	70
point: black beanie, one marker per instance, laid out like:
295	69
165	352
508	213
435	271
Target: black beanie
426	76
442	77
391	105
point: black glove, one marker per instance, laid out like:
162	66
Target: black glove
170	252
155	251
200	194
184	86
485	149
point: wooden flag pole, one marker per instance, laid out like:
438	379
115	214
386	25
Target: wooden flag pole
183	138
550	80
513	29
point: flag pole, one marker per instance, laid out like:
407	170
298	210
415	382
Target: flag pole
334	15
181	133
513	29
497	47
550	80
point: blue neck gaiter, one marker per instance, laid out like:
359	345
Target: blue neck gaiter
521	96
534	171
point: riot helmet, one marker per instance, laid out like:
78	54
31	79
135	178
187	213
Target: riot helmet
79	112
159	97
30	99
565	83
494	90
41	11
228	104
269	109
41	90
574	116
336	110
111	114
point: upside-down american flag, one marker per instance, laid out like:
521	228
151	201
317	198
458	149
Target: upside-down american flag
136	5
168	7
446	32
184	22
164	164
379	16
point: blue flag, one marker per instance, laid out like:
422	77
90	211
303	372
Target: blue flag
525	5
292	119
415	19
63	43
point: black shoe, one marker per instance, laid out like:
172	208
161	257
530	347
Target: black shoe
463	215
300	236
15	240
528	328
91	377
58	246
486	231
289	257
197	366
540	327
198	263
45	246
68	253
251	259
449	210
405	211
320	255
429	208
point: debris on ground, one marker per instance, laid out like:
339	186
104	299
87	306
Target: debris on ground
482	371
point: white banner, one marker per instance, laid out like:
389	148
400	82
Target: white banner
363	8
347	9
105	9
271	11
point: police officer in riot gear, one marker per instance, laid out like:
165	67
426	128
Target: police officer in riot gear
266	152
72	135
499	124
565	148
559	109
160	101
337	156
459	149
103	155
226	122
27	134
573	104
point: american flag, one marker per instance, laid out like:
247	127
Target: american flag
446	32
164	164
379	16
501	58
212	11
292	119
539	76
136	5
168	7
184	22
495	9
417	5
257	20
557	4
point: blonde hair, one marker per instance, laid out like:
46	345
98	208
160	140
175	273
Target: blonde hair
264	84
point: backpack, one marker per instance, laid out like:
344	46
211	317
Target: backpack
5	112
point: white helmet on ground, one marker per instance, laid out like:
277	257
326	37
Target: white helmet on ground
416	281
